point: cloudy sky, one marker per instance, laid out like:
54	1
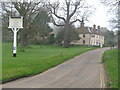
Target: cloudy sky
100	16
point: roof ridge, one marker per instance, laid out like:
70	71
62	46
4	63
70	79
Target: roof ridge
86	30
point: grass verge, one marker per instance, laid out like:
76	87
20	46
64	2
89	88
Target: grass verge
110	59
35	60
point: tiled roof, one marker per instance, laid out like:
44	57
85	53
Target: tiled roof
83	30
88	30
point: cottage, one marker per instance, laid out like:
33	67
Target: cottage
91	36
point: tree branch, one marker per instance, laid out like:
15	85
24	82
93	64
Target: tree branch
75	21
76	6
68	8
54	13
58	25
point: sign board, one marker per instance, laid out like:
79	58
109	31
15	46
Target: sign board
15	22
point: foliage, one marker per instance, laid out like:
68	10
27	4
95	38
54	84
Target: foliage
51	39
59	36
110	37
73	35
6	33
114	9
40	29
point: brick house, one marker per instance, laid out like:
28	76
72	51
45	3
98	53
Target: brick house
90	36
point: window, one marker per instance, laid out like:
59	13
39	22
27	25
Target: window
83	41
92	35
98	37
97	42
83	35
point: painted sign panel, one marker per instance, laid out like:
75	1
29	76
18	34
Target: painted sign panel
15	22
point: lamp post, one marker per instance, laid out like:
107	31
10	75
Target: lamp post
15	23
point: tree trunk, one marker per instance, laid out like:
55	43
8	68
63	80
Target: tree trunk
66	36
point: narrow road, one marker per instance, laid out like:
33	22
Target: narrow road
84	71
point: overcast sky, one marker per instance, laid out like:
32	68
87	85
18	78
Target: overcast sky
100	16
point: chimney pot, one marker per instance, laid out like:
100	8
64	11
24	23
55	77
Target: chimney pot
82	23
94	26
98	27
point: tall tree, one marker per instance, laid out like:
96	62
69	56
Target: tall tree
28	10
108	35
67	14
40	27
5	13
115	11
72	34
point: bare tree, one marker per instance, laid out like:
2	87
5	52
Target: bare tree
115	11
68	14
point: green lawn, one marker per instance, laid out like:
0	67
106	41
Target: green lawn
110	58
36	59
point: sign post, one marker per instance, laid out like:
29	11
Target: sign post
15	23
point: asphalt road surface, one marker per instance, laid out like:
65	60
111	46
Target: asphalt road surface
84	71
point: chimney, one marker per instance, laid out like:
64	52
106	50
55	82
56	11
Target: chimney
82	23
98	27
94	26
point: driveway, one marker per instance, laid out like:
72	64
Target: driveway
84	71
